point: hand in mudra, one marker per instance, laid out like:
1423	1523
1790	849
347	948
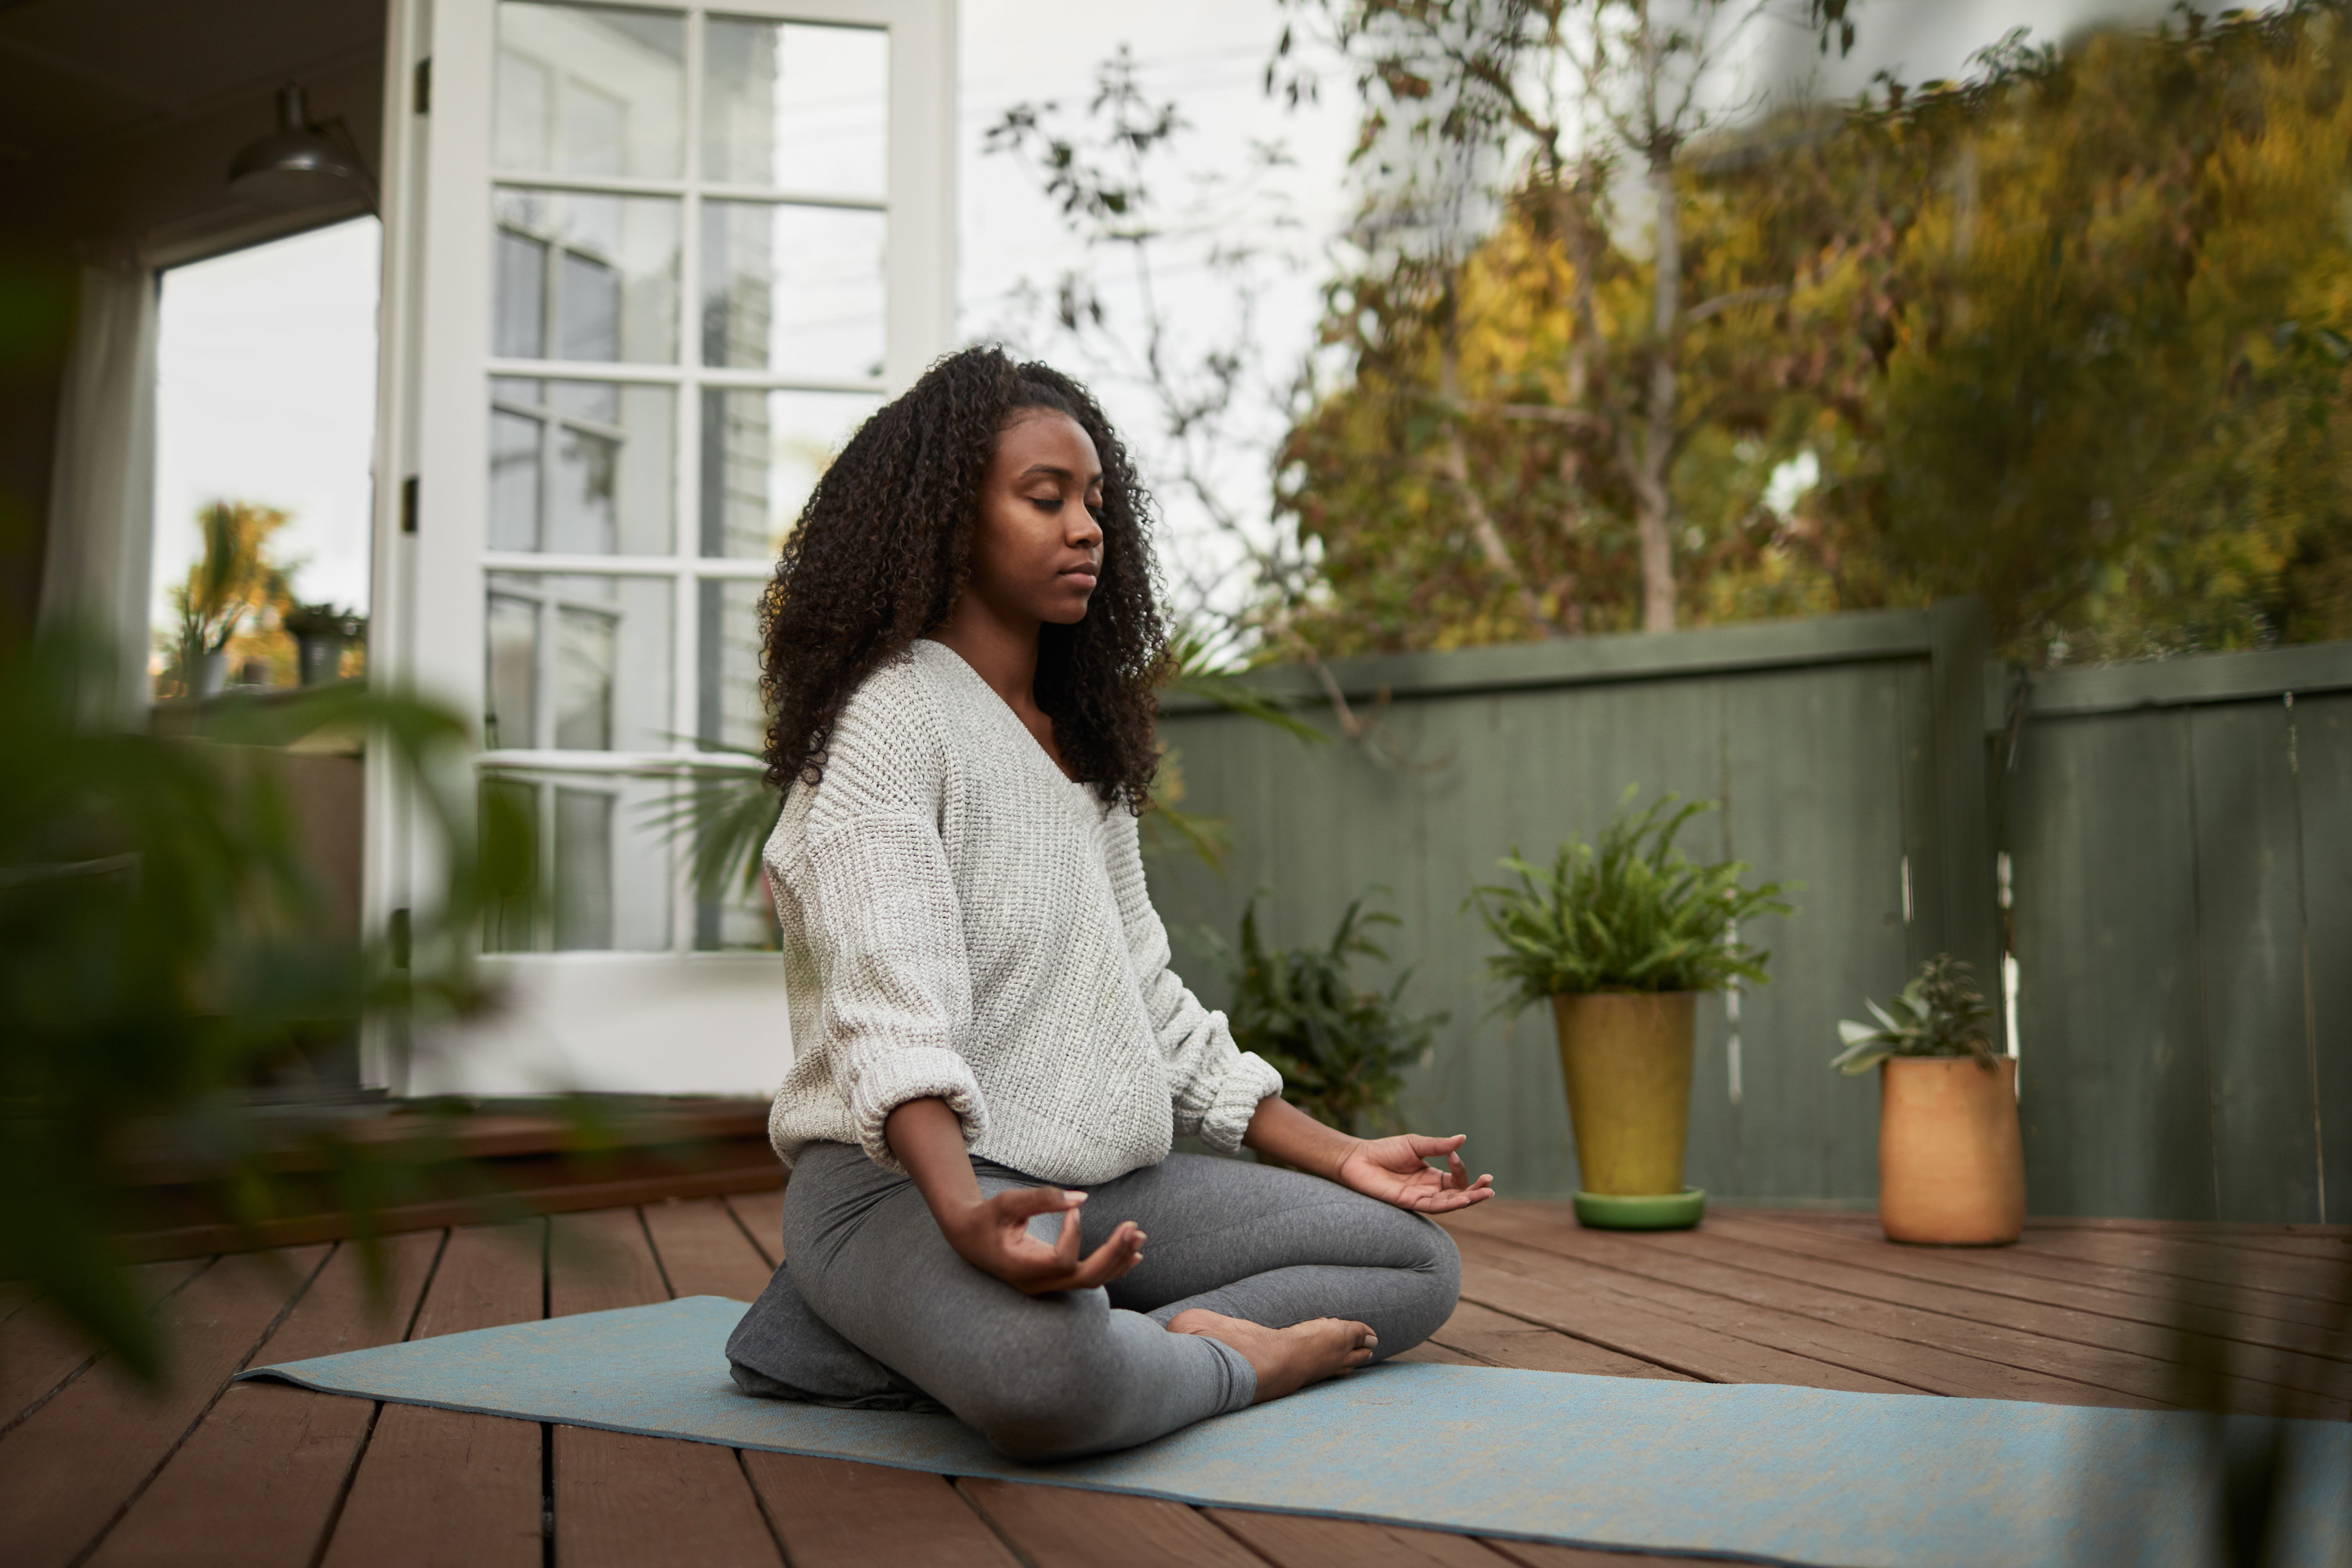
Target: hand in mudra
1394	1170
993	1235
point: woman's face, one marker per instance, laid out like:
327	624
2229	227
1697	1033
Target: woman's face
1039	549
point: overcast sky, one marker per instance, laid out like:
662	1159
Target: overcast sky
268	357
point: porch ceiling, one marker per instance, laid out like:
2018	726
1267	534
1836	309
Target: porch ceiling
77	74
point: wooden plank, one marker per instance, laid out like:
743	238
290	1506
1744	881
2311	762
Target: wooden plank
258	1482
627	1501
1931	1350
2257	1316
198	1240
624	1499
1297	1541
704	1252
1554	1293
2249	936
2131	1359
39	1355
832	1513
2111	1029
69	1469
2323	751
1064	1527
2191	1257
1431	1353
437	1487
1500	1340
761	1214
599	1261
1543	1554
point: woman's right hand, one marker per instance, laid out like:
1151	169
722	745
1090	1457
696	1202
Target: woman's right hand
993	1235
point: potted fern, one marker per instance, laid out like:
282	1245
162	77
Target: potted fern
1338	1047
1951	1168
1619	939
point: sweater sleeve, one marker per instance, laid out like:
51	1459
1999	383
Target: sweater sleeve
1215	1085
887	940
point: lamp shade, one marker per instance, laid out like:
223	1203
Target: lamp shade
296	165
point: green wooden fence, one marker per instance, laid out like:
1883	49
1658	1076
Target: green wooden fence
1866	756
2181	841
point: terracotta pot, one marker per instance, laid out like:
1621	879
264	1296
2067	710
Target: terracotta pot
1951	1170
1626	1058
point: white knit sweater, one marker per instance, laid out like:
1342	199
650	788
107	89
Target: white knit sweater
959	919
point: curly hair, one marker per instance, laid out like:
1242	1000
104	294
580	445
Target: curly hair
884	547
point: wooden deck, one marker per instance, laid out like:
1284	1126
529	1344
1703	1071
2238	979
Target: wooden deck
92	1470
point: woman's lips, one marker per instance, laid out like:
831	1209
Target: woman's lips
1088	572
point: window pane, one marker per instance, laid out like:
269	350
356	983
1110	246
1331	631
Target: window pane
794	290
601	864
582	467
583	868
727	677
762	454
585	277
595	666
512	717
519	328
509	917
796	108
589	90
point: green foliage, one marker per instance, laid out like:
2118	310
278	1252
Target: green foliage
1939	1013
163	946
1635	914
1338	1049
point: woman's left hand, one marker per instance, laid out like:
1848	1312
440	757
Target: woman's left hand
1394	1170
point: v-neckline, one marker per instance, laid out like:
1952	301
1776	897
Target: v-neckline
1011	717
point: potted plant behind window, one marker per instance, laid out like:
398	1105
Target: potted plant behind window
1619	939
1951	1169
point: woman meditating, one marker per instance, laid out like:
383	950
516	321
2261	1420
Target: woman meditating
992	1057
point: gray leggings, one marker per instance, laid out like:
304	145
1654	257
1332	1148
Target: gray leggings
874	1309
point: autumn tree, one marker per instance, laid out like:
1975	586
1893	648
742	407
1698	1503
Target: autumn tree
2071	335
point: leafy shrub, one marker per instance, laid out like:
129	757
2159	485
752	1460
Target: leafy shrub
1635	914
1939	1013
1336	1047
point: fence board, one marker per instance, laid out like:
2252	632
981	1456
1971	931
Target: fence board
2323	771
2249	943
2103	825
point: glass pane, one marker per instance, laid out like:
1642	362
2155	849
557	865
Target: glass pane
589	90
585	277
579	662
582	467
796	108
583	868
601	865
509	917
727	672
794	290
510	715
763	452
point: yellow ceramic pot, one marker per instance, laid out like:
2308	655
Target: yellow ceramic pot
1951	1169
1626	1058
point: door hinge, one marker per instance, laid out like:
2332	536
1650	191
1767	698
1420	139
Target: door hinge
408	504
421	93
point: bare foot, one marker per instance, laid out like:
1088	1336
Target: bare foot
1285	1359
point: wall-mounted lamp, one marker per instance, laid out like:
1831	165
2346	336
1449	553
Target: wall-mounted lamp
300	164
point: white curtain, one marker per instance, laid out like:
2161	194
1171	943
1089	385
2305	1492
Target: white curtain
102	480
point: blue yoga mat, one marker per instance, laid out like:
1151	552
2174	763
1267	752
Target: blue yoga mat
1755	1471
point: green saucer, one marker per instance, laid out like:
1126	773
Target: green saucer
1667	1211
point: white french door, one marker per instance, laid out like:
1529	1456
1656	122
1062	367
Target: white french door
647	266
